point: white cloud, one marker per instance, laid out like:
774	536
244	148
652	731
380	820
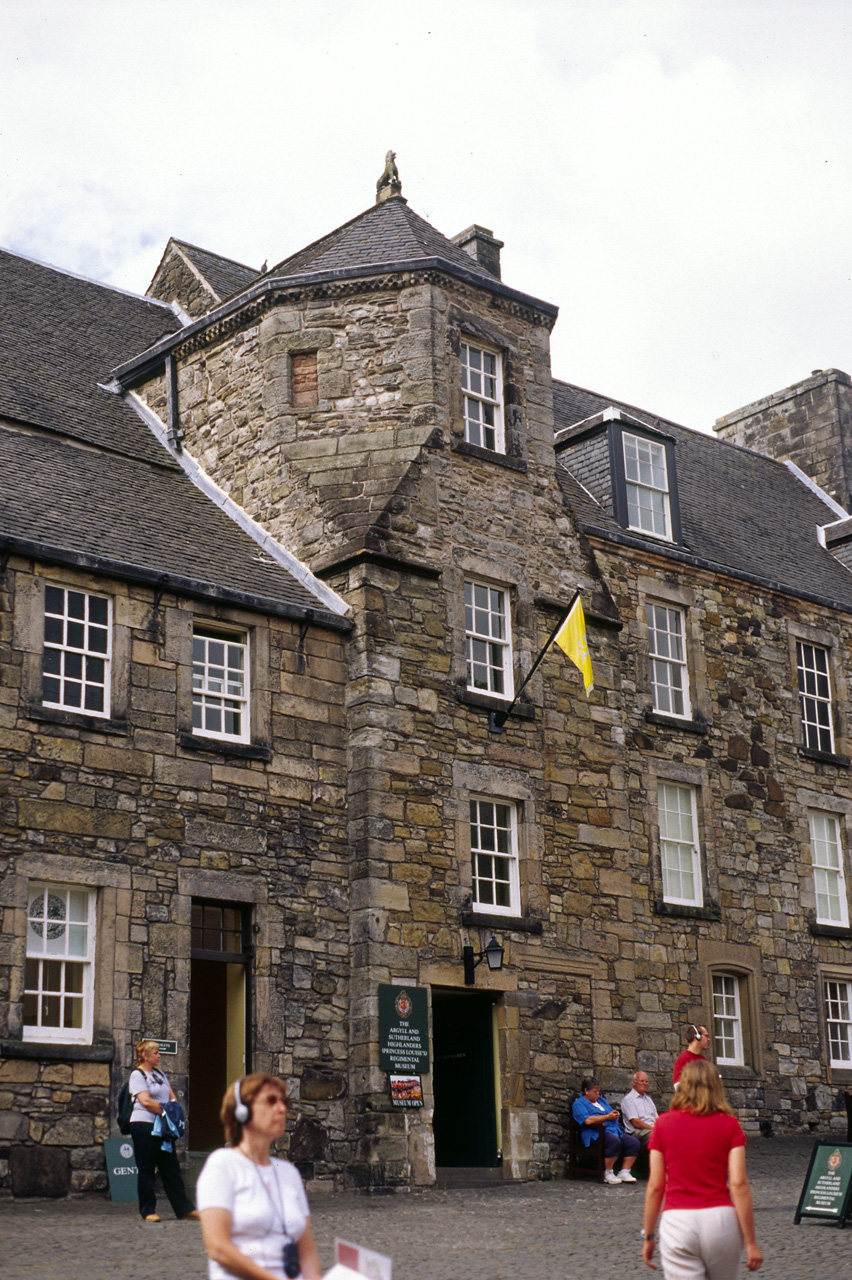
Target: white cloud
675	175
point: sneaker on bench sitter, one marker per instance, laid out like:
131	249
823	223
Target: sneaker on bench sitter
610	1178
626	1176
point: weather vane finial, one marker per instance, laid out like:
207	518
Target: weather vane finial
389	184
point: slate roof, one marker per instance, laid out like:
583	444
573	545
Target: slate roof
225	276
380	236
60	336
85	480
740	511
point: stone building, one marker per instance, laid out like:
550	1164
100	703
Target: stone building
324	518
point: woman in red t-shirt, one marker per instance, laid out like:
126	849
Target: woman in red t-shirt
698	1162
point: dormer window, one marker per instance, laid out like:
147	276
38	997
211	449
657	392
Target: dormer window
647	484
644	478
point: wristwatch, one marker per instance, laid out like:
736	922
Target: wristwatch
650	1237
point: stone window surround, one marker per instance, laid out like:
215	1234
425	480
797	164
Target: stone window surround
694	776
180	630
831	973
28	636
652	590
799	631
466	326
513	786
108	881
281	336
743	962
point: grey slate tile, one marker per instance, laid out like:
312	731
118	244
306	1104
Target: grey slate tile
739	510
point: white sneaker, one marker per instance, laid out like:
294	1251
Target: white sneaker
626	1176
611	1179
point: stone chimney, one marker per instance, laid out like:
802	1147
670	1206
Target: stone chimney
809	423
480	243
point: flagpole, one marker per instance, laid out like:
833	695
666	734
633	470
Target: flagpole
499	718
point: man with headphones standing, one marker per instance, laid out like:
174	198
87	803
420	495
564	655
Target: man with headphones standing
699	1039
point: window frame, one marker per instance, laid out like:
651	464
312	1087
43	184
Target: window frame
833	1003
504	643
617	428
639	486
694	844
205	630
842	896
735	1018
674	664
46	1034
511	856
480	398
85	652
811	726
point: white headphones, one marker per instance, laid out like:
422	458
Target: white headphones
242	1113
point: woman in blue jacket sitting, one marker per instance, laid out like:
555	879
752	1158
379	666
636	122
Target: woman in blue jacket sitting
594	1114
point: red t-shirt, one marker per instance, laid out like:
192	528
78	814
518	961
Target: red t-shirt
681	1061
695	1149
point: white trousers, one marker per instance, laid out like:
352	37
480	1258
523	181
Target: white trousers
700	1244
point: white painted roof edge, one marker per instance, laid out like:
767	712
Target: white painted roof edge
806	480
330	599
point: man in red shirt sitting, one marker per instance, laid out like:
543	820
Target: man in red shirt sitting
699	1039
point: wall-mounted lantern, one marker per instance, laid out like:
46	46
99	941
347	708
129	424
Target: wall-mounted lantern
493	953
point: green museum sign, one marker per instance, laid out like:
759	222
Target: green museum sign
828	1183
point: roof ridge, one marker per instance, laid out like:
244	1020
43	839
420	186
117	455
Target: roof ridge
211	253
75	275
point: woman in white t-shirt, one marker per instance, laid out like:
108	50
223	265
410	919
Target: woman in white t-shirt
150	1091
254	1212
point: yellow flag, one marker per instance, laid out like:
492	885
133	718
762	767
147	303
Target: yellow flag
571	638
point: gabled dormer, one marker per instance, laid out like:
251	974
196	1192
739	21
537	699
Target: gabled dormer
629	468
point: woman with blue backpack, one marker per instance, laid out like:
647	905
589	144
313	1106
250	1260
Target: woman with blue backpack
152	1135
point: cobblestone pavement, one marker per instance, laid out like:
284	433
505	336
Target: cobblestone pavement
534	1231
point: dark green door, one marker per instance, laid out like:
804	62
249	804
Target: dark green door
465	1123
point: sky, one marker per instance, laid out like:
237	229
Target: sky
676	176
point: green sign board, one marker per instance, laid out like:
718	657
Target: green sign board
403	1029
828	1184
165	1046
121	1167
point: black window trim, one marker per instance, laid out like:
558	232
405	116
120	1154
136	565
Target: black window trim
615	434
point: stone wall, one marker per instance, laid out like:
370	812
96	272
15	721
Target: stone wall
743	751
176	281
152	817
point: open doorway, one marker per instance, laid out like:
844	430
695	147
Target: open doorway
219	1004
465	1121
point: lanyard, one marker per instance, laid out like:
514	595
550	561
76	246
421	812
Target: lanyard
265	1185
